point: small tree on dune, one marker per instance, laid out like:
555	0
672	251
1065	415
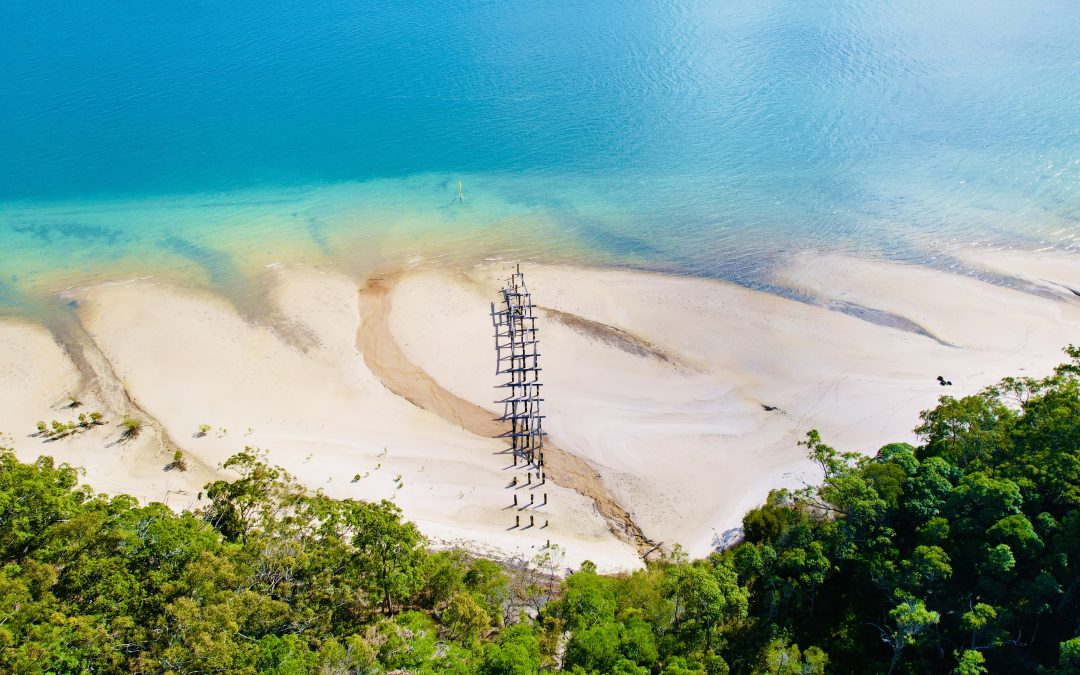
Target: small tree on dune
132	427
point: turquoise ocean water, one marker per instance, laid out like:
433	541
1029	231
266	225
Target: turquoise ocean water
209	139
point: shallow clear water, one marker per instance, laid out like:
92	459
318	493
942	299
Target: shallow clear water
207	139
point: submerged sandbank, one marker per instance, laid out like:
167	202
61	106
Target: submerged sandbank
675	402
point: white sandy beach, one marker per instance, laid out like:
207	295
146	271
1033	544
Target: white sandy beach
686	444
36	379
659	383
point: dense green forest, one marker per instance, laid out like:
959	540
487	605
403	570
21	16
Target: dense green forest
960	556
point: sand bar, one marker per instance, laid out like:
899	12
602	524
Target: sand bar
662	383
676	403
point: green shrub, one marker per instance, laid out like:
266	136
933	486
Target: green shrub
132	427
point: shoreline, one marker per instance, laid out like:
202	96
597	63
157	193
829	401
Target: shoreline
675	402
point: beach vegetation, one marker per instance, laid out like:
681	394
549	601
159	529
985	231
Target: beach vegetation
57	429
132	427
203	430
93	419
957	555
179	463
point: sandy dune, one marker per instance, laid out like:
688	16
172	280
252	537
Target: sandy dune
675	403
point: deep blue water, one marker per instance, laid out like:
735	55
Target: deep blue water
698	135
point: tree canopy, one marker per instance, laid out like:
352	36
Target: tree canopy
959	555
